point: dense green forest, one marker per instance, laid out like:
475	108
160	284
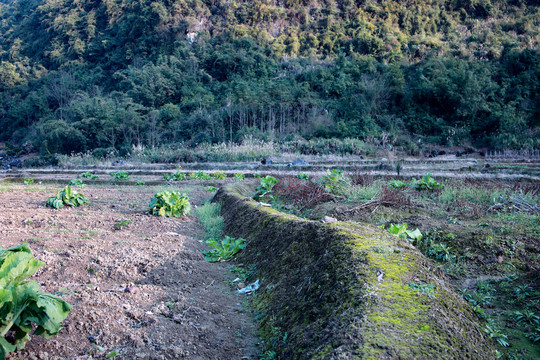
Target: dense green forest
93	75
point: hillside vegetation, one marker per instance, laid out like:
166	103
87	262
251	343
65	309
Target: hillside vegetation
83	75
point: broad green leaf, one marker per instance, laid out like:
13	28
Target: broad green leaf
414	234
22	304
112	354
5	348
5	296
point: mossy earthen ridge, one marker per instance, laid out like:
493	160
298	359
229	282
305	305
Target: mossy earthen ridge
347	291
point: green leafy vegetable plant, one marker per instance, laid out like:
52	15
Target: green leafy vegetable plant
23	306
140	183
302	176
89	175
200	175
401	230
211	189
219	175
223	250
67	197
170	204
177	176
76	182
396	184
266	186
120	175
239	177
335	181
28	181
426	183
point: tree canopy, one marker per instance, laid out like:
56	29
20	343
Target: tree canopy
76	75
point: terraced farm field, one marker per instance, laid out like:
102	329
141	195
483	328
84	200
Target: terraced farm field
141	287
138	283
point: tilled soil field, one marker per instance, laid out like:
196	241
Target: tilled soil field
142	289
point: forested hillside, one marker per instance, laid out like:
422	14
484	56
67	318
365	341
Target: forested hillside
80	75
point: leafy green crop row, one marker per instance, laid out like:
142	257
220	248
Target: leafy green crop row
427	182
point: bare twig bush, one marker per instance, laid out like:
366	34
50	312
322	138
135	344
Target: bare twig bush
386	197
359	177
301	193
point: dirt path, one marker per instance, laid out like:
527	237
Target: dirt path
144	290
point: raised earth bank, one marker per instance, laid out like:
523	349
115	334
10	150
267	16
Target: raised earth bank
347	291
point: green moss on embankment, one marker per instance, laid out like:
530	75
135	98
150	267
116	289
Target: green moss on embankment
347	291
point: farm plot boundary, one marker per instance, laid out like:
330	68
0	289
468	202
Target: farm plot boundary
347	290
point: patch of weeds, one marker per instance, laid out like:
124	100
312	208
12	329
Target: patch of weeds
33	240
274	338
302	176
440	252
239	271
119	225
534	335
223	250
434	245
28	181
522	292
495	333
452	220
170	305
133	205
478	299
424	289
210	218
63	292
527	316
211	189
363	192
241	332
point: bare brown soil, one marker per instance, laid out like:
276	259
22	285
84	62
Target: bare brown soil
144	290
